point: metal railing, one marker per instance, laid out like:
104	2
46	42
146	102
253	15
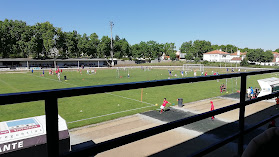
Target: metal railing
51	109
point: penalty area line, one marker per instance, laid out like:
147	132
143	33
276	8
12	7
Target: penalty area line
109	114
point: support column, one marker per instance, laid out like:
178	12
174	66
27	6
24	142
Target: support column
242	113
52	134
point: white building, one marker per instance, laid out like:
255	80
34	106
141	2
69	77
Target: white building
220	56
217	56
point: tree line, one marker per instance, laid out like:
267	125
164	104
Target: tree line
195	49
43	40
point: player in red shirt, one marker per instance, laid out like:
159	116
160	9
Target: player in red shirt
164	105
277	102
212	108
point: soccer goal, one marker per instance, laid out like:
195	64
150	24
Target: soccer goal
193	67
123	72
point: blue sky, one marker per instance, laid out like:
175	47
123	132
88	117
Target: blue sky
243	23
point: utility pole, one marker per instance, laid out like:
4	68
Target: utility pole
111	46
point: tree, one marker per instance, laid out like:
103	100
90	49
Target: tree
255	55
277	50
103	48
231	48
188	48
83	45
244	62
168	48
172	56
71	43
215	47
266	56
135	50
93	45
153	50
61	43
201	47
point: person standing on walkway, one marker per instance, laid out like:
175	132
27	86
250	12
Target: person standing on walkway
277	102
164	105
248	92
252	93
212	108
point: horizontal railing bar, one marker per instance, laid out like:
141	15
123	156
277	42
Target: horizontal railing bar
11	98
110	144
113	143
231	138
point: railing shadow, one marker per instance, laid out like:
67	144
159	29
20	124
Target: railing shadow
221	131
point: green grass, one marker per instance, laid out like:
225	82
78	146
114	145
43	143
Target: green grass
102	107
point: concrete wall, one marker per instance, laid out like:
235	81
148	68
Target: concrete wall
126	62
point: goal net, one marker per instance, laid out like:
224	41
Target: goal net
193	67
123	72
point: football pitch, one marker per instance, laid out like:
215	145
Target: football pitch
84	110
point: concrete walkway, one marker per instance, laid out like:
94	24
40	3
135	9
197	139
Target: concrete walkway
182	141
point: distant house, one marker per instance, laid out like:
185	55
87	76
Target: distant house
220	56
276	57
216	56
237	56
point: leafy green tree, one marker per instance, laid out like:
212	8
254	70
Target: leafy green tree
93	42
201	47
231	48
188	48
154	49
172	56
125	48
61	43
266	56
143	50
277	50
168	48
189	56
255	55
71	43
136	51
104	48
83	45
215	47
244	62
197	59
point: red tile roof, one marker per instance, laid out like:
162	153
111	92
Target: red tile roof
217	52
276	55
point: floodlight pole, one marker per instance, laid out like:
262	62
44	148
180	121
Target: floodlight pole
111	46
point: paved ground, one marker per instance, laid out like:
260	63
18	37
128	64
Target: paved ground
182	141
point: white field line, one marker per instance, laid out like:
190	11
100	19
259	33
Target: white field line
109	114
150	105
53	79
9	85
130	98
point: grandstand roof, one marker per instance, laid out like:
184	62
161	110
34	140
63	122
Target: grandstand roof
42	60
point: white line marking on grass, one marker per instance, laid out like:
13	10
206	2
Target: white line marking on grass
10	85
109	114
53	79
150	105
130	99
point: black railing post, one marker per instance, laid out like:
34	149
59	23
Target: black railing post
52	134
242	113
